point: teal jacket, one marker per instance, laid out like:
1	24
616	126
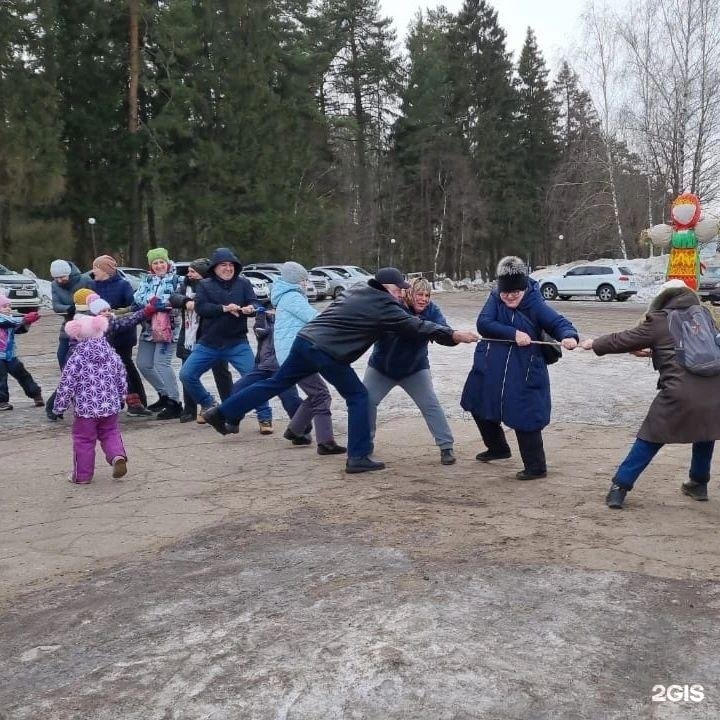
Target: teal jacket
293	312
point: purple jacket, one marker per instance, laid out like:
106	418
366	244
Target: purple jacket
94	379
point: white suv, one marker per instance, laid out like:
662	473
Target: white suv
606	282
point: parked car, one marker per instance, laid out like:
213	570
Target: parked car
606	282
269	275
340	277
22	291
262	292
319	291
133	275
709	286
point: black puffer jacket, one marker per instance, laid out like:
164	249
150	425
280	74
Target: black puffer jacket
347	328
219	329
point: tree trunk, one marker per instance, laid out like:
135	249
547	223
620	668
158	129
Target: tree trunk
135	228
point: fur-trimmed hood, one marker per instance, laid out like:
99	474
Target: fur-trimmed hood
675	292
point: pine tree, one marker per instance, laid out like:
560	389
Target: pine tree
434	212
91	40
539	152
486	105
358	95
240	138
578	205
30	156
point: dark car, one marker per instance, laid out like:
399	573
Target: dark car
21	291
709	287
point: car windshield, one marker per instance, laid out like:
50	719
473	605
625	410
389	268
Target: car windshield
625	271
5	271
341	272
713	272
361	271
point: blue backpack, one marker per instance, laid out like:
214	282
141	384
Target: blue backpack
696	339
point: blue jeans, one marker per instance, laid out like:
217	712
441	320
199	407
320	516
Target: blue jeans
202	358
306	359
289	398
642	452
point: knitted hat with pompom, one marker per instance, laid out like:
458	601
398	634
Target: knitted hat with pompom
96	304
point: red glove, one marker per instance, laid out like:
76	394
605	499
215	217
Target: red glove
31	317
150	309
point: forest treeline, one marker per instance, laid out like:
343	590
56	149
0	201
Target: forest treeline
303	130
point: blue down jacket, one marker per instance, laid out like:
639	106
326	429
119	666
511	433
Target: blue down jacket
508	383
399	357
293	314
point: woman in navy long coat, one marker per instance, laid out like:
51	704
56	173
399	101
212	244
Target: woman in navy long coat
509	380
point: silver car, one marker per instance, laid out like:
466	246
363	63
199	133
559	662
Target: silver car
316	289
341	277
22	291
133	275
268	276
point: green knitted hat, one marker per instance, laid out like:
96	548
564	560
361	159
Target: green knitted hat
157	254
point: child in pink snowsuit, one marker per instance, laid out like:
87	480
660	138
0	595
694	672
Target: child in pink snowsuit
94	380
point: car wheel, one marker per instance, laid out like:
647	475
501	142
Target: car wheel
606	293
548	291
564	297
337	292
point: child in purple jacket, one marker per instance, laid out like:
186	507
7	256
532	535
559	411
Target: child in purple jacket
94	380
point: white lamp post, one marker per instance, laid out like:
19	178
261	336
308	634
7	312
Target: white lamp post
392	251
91	223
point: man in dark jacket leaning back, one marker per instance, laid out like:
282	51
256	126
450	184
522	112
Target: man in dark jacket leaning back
330	343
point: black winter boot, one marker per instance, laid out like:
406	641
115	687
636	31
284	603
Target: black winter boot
616	496
297	439
159	404
362	464
695	490
215	419
447	456
330	448
171	411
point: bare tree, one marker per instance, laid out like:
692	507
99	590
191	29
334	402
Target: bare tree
601	61
672	51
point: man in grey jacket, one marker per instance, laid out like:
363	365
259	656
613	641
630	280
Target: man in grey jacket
330	343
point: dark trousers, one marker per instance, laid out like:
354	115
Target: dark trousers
305	359
134	381
223	382
530	443
63	351
289	398
642	452
15	368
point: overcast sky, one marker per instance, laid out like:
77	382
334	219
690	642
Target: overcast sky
555	22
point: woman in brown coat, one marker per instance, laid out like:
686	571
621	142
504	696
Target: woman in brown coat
687	408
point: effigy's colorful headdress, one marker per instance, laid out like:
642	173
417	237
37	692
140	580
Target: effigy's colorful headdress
689	228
